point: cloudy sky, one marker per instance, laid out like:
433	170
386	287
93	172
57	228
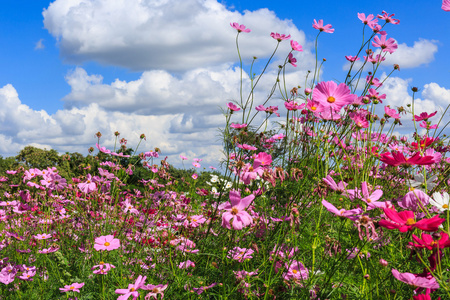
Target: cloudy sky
165	68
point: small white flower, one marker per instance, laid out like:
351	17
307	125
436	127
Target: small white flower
440	201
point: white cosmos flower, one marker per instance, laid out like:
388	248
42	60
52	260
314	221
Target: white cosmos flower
441	201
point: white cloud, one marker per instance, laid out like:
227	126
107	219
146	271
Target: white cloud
430	98
168	34
39	45
421	53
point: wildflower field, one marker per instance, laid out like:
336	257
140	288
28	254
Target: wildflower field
325	204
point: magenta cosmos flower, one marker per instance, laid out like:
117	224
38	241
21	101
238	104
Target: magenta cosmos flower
235	211
332	96
406	221
74	287
319	26
107	242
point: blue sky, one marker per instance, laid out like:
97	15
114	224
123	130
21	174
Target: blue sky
164	69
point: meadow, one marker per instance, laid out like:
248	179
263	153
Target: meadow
315	200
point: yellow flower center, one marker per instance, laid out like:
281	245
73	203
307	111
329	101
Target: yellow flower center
107	244
72	287
132	290
445	206
331	99
294	271
410	221
234	211
313	108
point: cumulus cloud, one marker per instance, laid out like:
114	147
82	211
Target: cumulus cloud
430	98
168	34
406	57
421	53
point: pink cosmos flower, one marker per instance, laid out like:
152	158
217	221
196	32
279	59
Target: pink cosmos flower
291	105
155	290
183	157
233	107
386	45
240	254
201	289
127	207
196	164
238	126
427	125
369	20
132	289
351	214
446	5
319	26
102	268
107	242
332	96
246	147
292	60
74	287
388	18
48	250
296	46
28	276
42	236
235	211
186	264
194	176
351	58
296	271
390	112
415	280
239	28
263	159
102	149
280	37
88	186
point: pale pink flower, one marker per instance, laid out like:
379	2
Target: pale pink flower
107	242
415	280
42	236
132	289
155	290
319	25
74	287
